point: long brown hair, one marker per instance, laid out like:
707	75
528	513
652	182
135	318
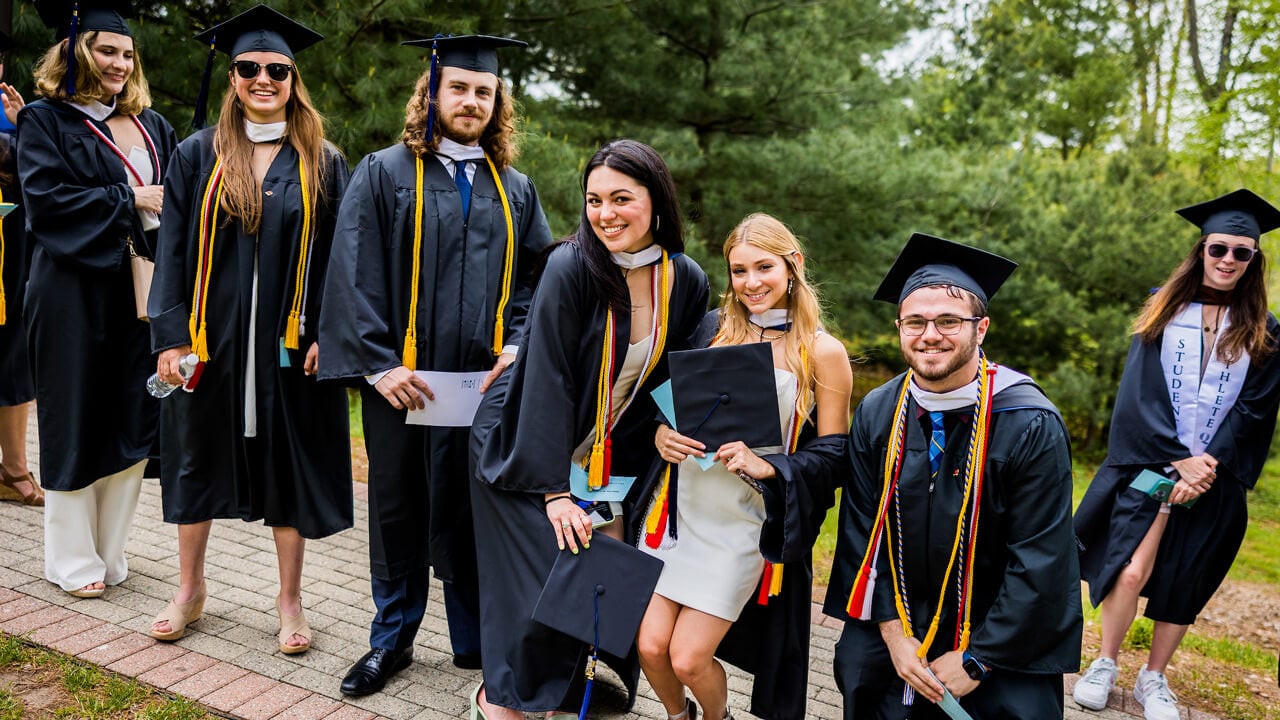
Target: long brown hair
499	139
241	196
50	76
803	308
1248	306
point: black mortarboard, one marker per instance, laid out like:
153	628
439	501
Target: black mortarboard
727	393
1237	213
928	261
258	29
618	576
469	52
68	17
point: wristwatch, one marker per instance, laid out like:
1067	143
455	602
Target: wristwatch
975	669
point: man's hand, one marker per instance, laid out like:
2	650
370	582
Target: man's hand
910	667
167	364
404	389
950	671
499	367
312	362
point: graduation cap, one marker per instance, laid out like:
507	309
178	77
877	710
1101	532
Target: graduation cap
727	393
610	578
68	18
478	53
1239	213
258	29
928	261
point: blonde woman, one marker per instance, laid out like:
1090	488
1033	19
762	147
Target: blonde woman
714	566
239	271
90	159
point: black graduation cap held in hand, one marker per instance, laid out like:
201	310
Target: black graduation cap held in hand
928	261
727	393
1240	213
612	574
258	29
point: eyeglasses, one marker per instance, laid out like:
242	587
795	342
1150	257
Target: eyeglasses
1241	254
249	70
915	325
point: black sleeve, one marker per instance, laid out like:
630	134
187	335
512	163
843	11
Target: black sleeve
337	175
534	236
797	499
168	305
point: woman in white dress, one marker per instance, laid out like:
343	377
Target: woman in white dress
712	570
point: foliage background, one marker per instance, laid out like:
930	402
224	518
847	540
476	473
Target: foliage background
1061	133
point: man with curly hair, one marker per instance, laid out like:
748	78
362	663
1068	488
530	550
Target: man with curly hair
431	269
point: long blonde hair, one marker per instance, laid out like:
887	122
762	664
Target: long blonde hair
50	76
499	139
803	309
241	197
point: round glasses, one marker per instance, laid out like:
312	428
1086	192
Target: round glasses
249	70
1240	254
915	325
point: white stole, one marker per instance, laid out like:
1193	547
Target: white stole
1199	404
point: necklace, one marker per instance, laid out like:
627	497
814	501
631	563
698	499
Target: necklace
1217	322
781	333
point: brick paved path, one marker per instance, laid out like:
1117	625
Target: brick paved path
229	661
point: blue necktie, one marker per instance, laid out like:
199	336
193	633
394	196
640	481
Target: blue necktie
937	443
464	185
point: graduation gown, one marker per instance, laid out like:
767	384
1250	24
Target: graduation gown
296	472
366	314
16	387
771	641
1025	608
1200	542
524	435
90	353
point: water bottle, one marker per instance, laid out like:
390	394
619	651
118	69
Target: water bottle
186	366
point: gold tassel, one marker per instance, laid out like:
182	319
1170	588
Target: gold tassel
291	330
4	311
775	580
201	345
595	472
410	355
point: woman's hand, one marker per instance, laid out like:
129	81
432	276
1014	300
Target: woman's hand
1183	491
149	197
1198	472
738	458
570	521
674	447
167	364
13	102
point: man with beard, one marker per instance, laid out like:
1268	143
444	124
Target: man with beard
959	504
431	269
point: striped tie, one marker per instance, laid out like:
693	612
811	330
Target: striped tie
937	443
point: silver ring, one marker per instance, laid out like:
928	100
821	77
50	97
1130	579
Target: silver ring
564	524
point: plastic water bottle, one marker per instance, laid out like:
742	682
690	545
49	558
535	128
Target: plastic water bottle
186	366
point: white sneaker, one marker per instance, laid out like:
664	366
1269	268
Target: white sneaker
1158	701
1094	687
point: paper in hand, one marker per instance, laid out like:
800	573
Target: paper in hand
949	704
457	398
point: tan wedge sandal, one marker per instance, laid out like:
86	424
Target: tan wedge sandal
179	616
290	626
33	496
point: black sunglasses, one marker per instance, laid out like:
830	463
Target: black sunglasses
1241	254
249	70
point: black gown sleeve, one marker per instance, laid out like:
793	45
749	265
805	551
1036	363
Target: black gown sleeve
337	176
534	238
797	499
168	305
60	179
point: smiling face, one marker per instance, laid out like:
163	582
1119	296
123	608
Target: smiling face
941	362
759	278
113	55
264	100
1224	273
619	209
465	103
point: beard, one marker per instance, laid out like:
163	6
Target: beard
964	347
451	128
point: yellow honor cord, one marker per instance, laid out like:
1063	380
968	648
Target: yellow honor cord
410	355
293	326
508	265
4	310
654	518
207	232
595	466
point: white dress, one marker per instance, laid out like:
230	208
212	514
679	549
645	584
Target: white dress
714	565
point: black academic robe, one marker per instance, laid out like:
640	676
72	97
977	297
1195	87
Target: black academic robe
1025	609
524	435
90	353
771	641
296	472
1200	542
424	521
15	370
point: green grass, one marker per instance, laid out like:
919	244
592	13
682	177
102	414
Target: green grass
11	708
353	414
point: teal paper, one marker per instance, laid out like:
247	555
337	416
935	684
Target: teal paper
6	208
615	491
667	406
949	704
284	355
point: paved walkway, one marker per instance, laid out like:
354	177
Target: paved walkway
229	662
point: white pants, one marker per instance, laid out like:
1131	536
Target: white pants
85	530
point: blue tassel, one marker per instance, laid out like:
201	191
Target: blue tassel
70	80
595	653
433	86
200	119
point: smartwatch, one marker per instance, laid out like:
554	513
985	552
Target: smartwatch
975	669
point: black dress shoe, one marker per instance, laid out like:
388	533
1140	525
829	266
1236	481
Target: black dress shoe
467	661
373	670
